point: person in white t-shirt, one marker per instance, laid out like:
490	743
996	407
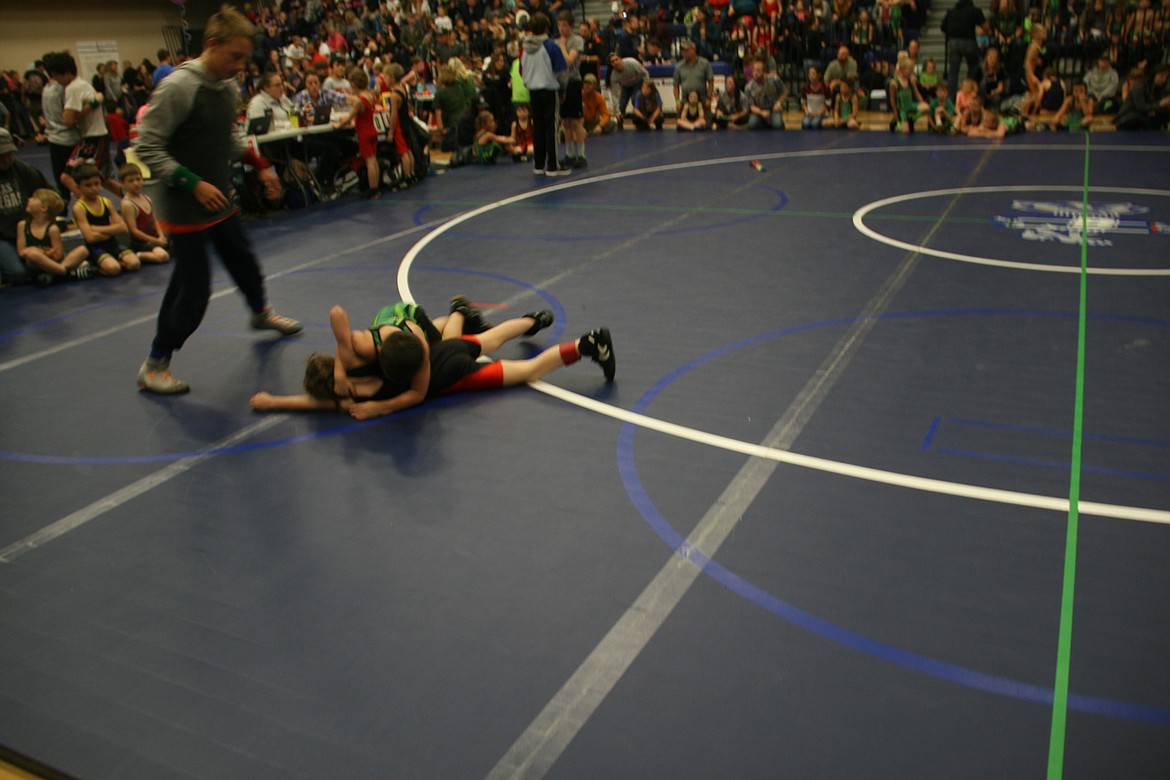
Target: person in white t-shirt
83	110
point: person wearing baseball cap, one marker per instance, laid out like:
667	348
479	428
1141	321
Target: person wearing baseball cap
594	109
18	181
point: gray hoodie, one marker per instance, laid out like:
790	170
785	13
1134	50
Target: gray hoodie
542	64
191	125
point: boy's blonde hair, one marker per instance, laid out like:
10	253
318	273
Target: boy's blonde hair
483	119
394	71
225	24
52	199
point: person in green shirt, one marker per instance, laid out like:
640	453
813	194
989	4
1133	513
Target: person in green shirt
450	107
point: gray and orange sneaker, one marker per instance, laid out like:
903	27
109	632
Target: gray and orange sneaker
270	320
154	376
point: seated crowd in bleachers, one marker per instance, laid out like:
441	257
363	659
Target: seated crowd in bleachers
441	64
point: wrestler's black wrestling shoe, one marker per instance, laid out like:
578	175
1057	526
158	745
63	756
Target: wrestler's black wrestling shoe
473	319
543	318
597	345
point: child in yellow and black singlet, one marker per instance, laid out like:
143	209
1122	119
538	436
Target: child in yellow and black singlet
100	225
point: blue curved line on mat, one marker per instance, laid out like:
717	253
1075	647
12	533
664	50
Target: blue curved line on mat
599	236
916	662
553	335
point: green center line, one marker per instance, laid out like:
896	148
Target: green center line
1064	640
626	207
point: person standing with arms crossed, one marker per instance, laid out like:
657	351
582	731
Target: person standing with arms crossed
187	138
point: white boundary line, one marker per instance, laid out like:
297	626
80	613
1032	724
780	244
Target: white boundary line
860	215
996	495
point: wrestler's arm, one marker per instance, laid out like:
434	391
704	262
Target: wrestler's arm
413	396
302	402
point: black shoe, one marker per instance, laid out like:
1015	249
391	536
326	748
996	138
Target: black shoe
543	318
580	162
597	345
473	321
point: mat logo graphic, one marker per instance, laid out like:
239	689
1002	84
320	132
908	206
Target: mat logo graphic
1063	220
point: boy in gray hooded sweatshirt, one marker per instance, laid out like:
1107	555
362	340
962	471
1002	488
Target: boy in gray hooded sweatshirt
187	138
545	73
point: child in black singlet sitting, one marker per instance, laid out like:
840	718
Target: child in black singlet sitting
38	242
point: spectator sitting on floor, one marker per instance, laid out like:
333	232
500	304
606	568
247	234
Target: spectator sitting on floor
1102	83
928	79
942	114
1147	107
731	109
488	143
971	116
18	182
1077	111
38	242
146	237
993	79
101	225
594	108
765	93
814	100
1048	98
692	116
968	91
845	110
647	110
